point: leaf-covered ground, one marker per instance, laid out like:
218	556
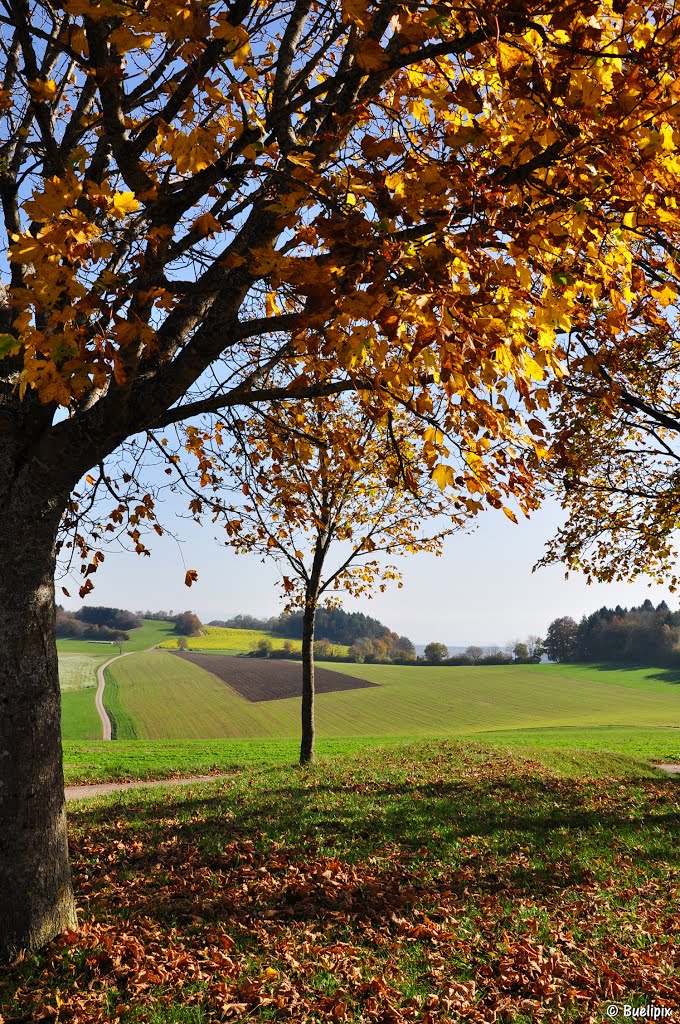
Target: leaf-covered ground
434	883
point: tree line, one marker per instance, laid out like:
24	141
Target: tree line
96	623
332	624
640	635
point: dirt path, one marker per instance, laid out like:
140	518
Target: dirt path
672	769
100	788
99	697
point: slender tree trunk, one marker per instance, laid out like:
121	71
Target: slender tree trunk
308	624
36	900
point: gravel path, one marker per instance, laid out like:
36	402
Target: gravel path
672	769
100	788
99	698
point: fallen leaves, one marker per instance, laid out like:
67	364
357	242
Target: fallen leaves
279	897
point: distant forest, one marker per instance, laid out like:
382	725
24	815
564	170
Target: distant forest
96	623
637	636
332	624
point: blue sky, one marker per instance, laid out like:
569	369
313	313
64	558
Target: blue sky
481	591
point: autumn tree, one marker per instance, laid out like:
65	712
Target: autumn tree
331	495
384	197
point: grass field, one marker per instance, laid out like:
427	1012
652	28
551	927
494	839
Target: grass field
78	663
170	699
79	718
161	759
430	882
150	633
164	759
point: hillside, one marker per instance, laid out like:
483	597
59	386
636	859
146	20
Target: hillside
165	697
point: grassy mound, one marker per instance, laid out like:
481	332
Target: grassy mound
435	882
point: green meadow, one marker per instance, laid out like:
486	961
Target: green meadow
149	634
163	697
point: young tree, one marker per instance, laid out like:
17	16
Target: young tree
385	197
436	653
326	493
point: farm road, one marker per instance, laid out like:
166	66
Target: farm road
99	696
101	788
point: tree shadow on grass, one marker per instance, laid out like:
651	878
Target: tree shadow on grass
665	675
264	854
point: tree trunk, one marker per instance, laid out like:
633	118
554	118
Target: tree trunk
308	624
36	900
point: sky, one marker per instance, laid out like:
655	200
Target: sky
480	591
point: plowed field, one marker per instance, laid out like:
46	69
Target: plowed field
262	679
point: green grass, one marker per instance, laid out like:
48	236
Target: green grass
171	699
638	677
425	881
150	633
163	759
79	718
657	744
123	722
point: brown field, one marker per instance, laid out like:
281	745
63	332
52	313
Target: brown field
259	679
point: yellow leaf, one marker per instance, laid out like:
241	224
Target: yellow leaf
510	514
43	90
123	204
508	57
443	475
356	12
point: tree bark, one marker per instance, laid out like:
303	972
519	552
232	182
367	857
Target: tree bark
308	729
36	899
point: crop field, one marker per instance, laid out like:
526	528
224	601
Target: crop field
167	697
238	641
235	641
262	679
431	882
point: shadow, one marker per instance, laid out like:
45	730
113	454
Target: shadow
311	850
666	675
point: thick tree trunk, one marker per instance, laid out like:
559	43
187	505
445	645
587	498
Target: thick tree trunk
308	623
36	900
